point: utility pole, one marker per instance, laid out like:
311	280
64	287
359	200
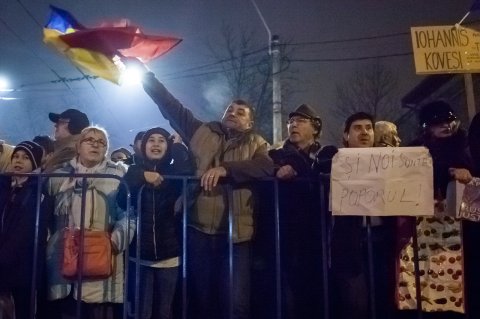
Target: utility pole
277	91
470	95
274	52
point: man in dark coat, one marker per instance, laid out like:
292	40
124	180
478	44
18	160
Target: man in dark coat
299	162
350	267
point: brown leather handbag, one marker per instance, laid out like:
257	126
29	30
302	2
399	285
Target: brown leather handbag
97	253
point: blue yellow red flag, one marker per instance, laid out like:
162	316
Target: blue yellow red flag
62	21
127	41
96	50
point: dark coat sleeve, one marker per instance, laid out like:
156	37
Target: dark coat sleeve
261	165
183	163
181	119
323	160
17	243
474	143
284	156
134	179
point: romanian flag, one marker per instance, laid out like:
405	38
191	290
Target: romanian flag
98	49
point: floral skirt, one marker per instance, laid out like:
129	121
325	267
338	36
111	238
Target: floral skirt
441	270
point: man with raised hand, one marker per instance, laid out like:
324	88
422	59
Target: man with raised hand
226	148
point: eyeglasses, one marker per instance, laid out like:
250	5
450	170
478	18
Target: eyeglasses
299	120
92	141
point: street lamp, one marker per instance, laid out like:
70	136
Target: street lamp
3	83
274	52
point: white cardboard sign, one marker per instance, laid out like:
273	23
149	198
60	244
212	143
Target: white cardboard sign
382	181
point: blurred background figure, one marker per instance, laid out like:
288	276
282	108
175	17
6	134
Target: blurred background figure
68	126
120	154
136	146
474	143
47	145
5	155
386	134
471	232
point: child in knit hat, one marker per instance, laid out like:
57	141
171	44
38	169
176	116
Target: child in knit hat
159	247
18	202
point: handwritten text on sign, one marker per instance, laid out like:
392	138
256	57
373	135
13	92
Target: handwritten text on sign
446	49
382	181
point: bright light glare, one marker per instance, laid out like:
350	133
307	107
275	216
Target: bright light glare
131	76
3	84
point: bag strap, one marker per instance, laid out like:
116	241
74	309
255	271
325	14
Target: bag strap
91	215
93	209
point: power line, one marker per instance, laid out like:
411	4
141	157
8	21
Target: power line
174	77
29	14
33	53
354	59
375	37
177	75
78	69
217	62
389	35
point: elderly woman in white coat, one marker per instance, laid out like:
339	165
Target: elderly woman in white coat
101	298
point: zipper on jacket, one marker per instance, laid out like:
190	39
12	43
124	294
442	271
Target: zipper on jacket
7	205
154	220
3	218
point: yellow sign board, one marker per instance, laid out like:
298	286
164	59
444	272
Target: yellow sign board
446	49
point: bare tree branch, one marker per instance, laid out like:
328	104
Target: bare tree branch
247	72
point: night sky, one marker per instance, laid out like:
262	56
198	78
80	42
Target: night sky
34	69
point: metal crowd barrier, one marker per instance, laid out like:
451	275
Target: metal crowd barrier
325	232
40	183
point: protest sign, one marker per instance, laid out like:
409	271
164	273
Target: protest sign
470	205
446	49
382	181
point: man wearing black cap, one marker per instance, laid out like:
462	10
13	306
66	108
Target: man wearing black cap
68	126
304	129
299	161
225	148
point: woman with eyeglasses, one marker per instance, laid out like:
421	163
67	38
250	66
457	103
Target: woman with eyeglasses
100	298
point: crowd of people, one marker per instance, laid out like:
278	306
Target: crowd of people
235	263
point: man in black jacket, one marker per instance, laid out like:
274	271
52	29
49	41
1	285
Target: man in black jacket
299	162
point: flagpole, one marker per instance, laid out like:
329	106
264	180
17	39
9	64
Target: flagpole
464	17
